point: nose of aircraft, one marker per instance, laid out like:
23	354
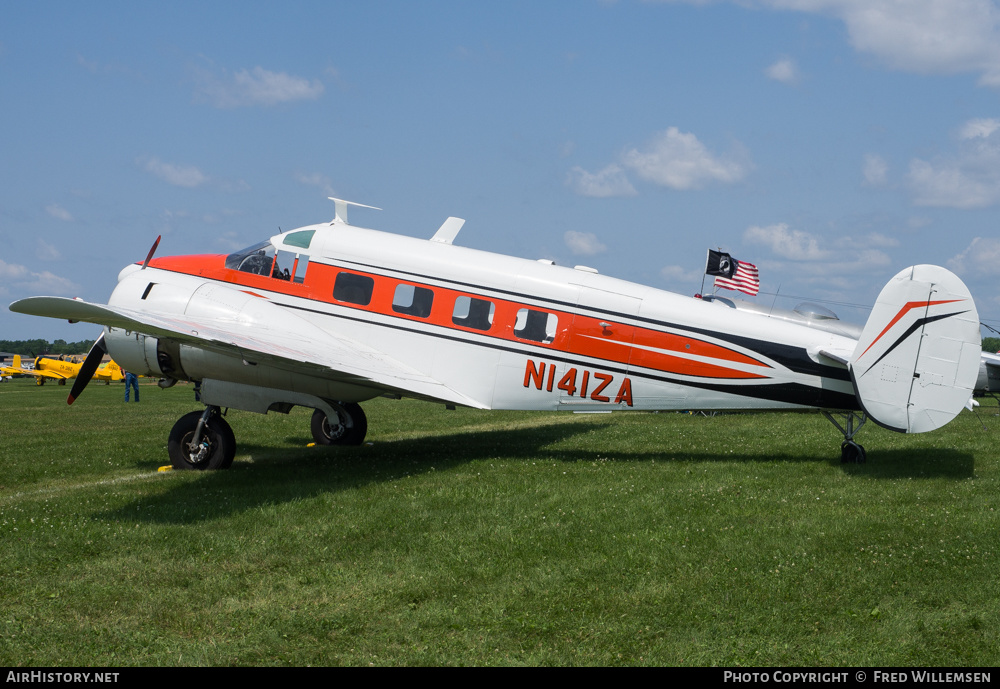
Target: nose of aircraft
128	270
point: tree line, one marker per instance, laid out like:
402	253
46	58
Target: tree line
39	347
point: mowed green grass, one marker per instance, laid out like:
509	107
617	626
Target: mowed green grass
492	538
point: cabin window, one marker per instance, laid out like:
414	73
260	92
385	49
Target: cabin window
412	300
473	313
537	326
353	288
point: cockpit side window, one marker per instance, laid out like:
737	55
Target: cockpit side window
284	265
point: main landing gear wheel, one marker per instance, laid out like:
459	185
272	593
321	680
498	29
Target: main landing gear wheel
201	440
349	429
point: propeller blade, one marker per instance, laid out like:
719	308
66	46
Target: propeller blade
149	256
90	365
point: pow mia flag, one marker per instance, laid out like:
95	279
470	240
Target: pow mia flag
720	264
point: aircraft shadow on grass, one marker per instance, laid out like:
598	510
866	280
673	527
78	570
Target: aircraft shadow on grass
279	475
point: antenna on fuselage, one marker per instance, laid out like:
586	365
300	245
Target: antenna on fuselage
340	214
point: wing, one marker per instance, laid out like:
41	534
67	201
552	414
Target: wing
47	374
291	342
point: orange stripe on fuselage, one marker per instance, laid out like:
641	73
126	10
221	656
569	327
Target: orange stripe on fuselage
576	334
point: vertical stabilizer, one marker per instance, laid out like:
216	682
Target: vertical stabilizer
916	363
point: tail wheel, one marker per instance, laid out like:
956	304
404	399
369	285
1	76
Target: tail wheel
349	428
215	449
852	453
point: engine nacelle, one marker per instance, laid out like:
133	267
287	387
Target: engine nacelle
145	355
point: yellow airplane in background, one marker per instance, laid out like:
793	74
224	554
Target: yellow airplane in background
61	370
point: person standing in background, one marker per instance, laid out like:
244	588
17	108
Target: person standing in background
131	380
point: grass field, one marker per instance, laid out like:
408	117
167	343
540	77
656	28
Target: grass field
493	538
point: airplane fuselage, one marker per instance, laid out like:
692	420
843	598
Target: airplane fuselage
506	333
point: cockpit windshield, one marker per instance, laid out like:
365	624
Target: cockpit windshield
256	259
265	259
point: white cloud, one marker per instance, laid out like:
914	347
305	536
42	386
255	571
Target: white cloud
921	36
318	180
980	257
177	175
257	86
817	259
47	251
584	243
969	178
678	160
58	212
26	281
230	241
978	129
793	244
784	70
673	159
678	274
948	185
876	170
611	181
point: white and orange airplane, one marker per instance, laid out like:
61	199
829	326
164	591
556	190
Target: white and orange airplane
330	315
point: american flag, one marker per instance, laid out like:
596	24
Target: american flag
745	279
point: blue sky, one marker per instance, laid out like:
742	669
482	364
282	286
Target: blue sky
830	142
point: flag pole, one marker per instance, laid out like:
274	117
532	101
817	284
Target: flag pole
704	273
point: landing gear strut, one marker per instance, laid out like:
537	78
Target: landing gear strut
850	451
349	428
202	440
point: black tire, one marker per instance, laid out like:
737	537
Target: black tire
339	434
219	451
852	453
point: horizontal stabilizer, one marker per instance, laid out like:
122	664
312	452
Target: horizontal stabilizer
916	363
989	373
